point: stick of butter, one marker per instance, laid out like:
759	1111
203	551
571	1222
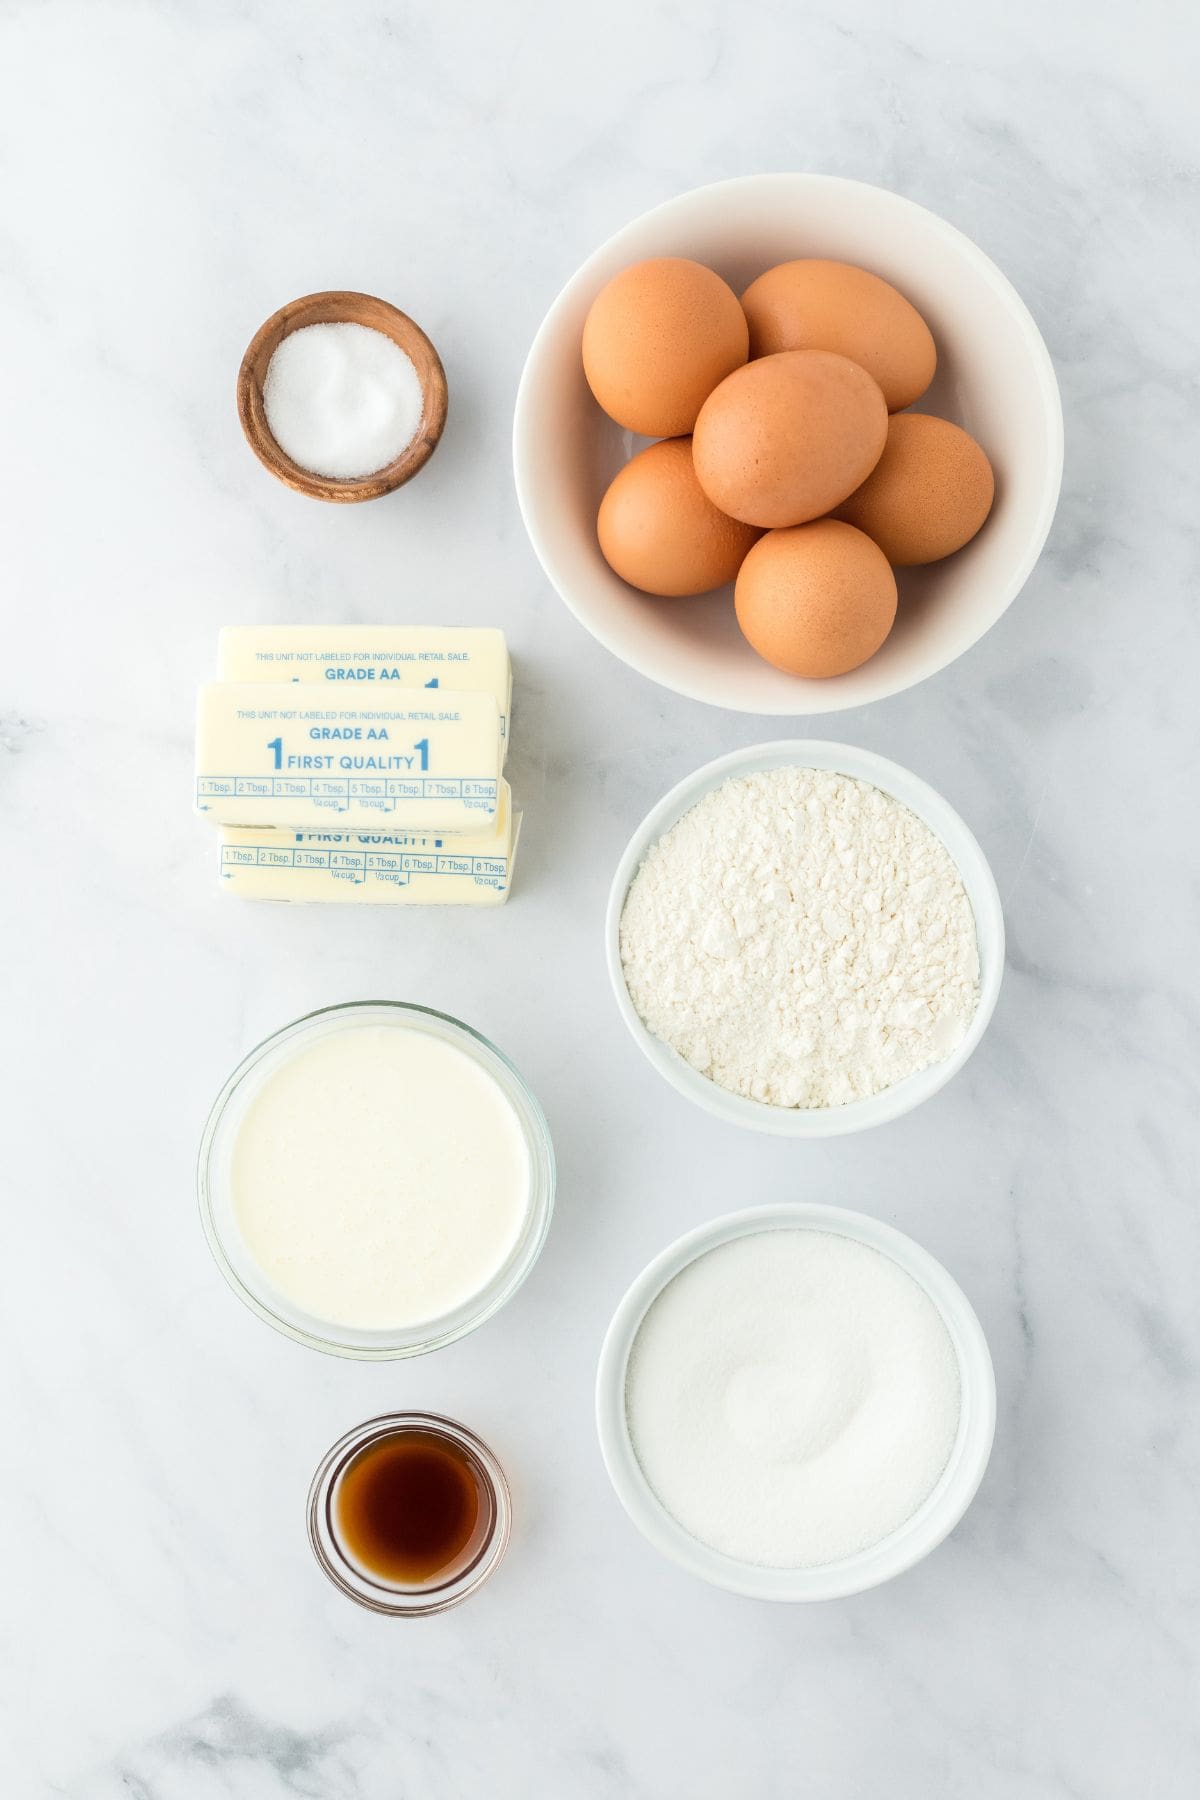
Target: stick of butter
276	754
372	868
374	658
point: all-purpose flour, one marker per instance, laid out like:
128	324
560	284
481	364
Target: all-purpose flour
803	939
792	1397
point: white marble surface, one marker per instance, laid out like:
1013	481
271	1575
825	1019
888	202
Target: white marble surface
171	174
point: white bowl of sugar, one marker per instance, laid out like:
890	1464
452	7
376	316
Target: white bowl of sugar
795	1402
715	922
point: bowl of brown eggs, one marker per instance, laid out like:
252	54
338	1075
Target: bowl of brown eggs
788	444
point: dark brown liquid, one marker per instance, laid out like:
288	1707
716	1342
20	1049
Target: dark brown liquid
412	1509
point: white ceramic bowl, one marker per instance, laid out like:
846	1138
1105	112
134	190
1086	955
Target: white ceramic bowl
994	378
932	1521
977	879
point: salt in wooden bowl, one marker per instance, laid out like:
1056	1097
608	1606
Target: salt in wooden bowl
337	308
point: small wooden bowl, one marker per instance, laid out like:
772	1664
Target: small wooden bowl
338	309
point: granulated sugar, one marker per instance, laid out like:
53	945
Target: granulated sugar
342	400
792	1397
803	939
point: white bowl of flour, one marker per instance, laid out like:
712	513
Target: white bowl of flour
795	1402
805	939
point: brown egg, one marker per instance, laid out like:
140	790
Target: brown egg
817	599
788	437
658	339
659	530
929	493
818	305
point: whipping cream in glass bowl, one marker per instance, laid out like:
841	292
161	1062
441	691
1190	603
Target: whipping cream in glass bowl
376	1179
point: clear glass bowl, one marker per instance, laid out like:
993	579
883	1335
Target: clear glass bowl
381	1597
216	1199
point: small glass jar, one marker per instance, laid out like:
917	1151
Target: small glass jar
215	1191
489	1539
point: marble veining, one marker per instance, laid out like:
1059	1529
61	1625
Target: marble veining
173	174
